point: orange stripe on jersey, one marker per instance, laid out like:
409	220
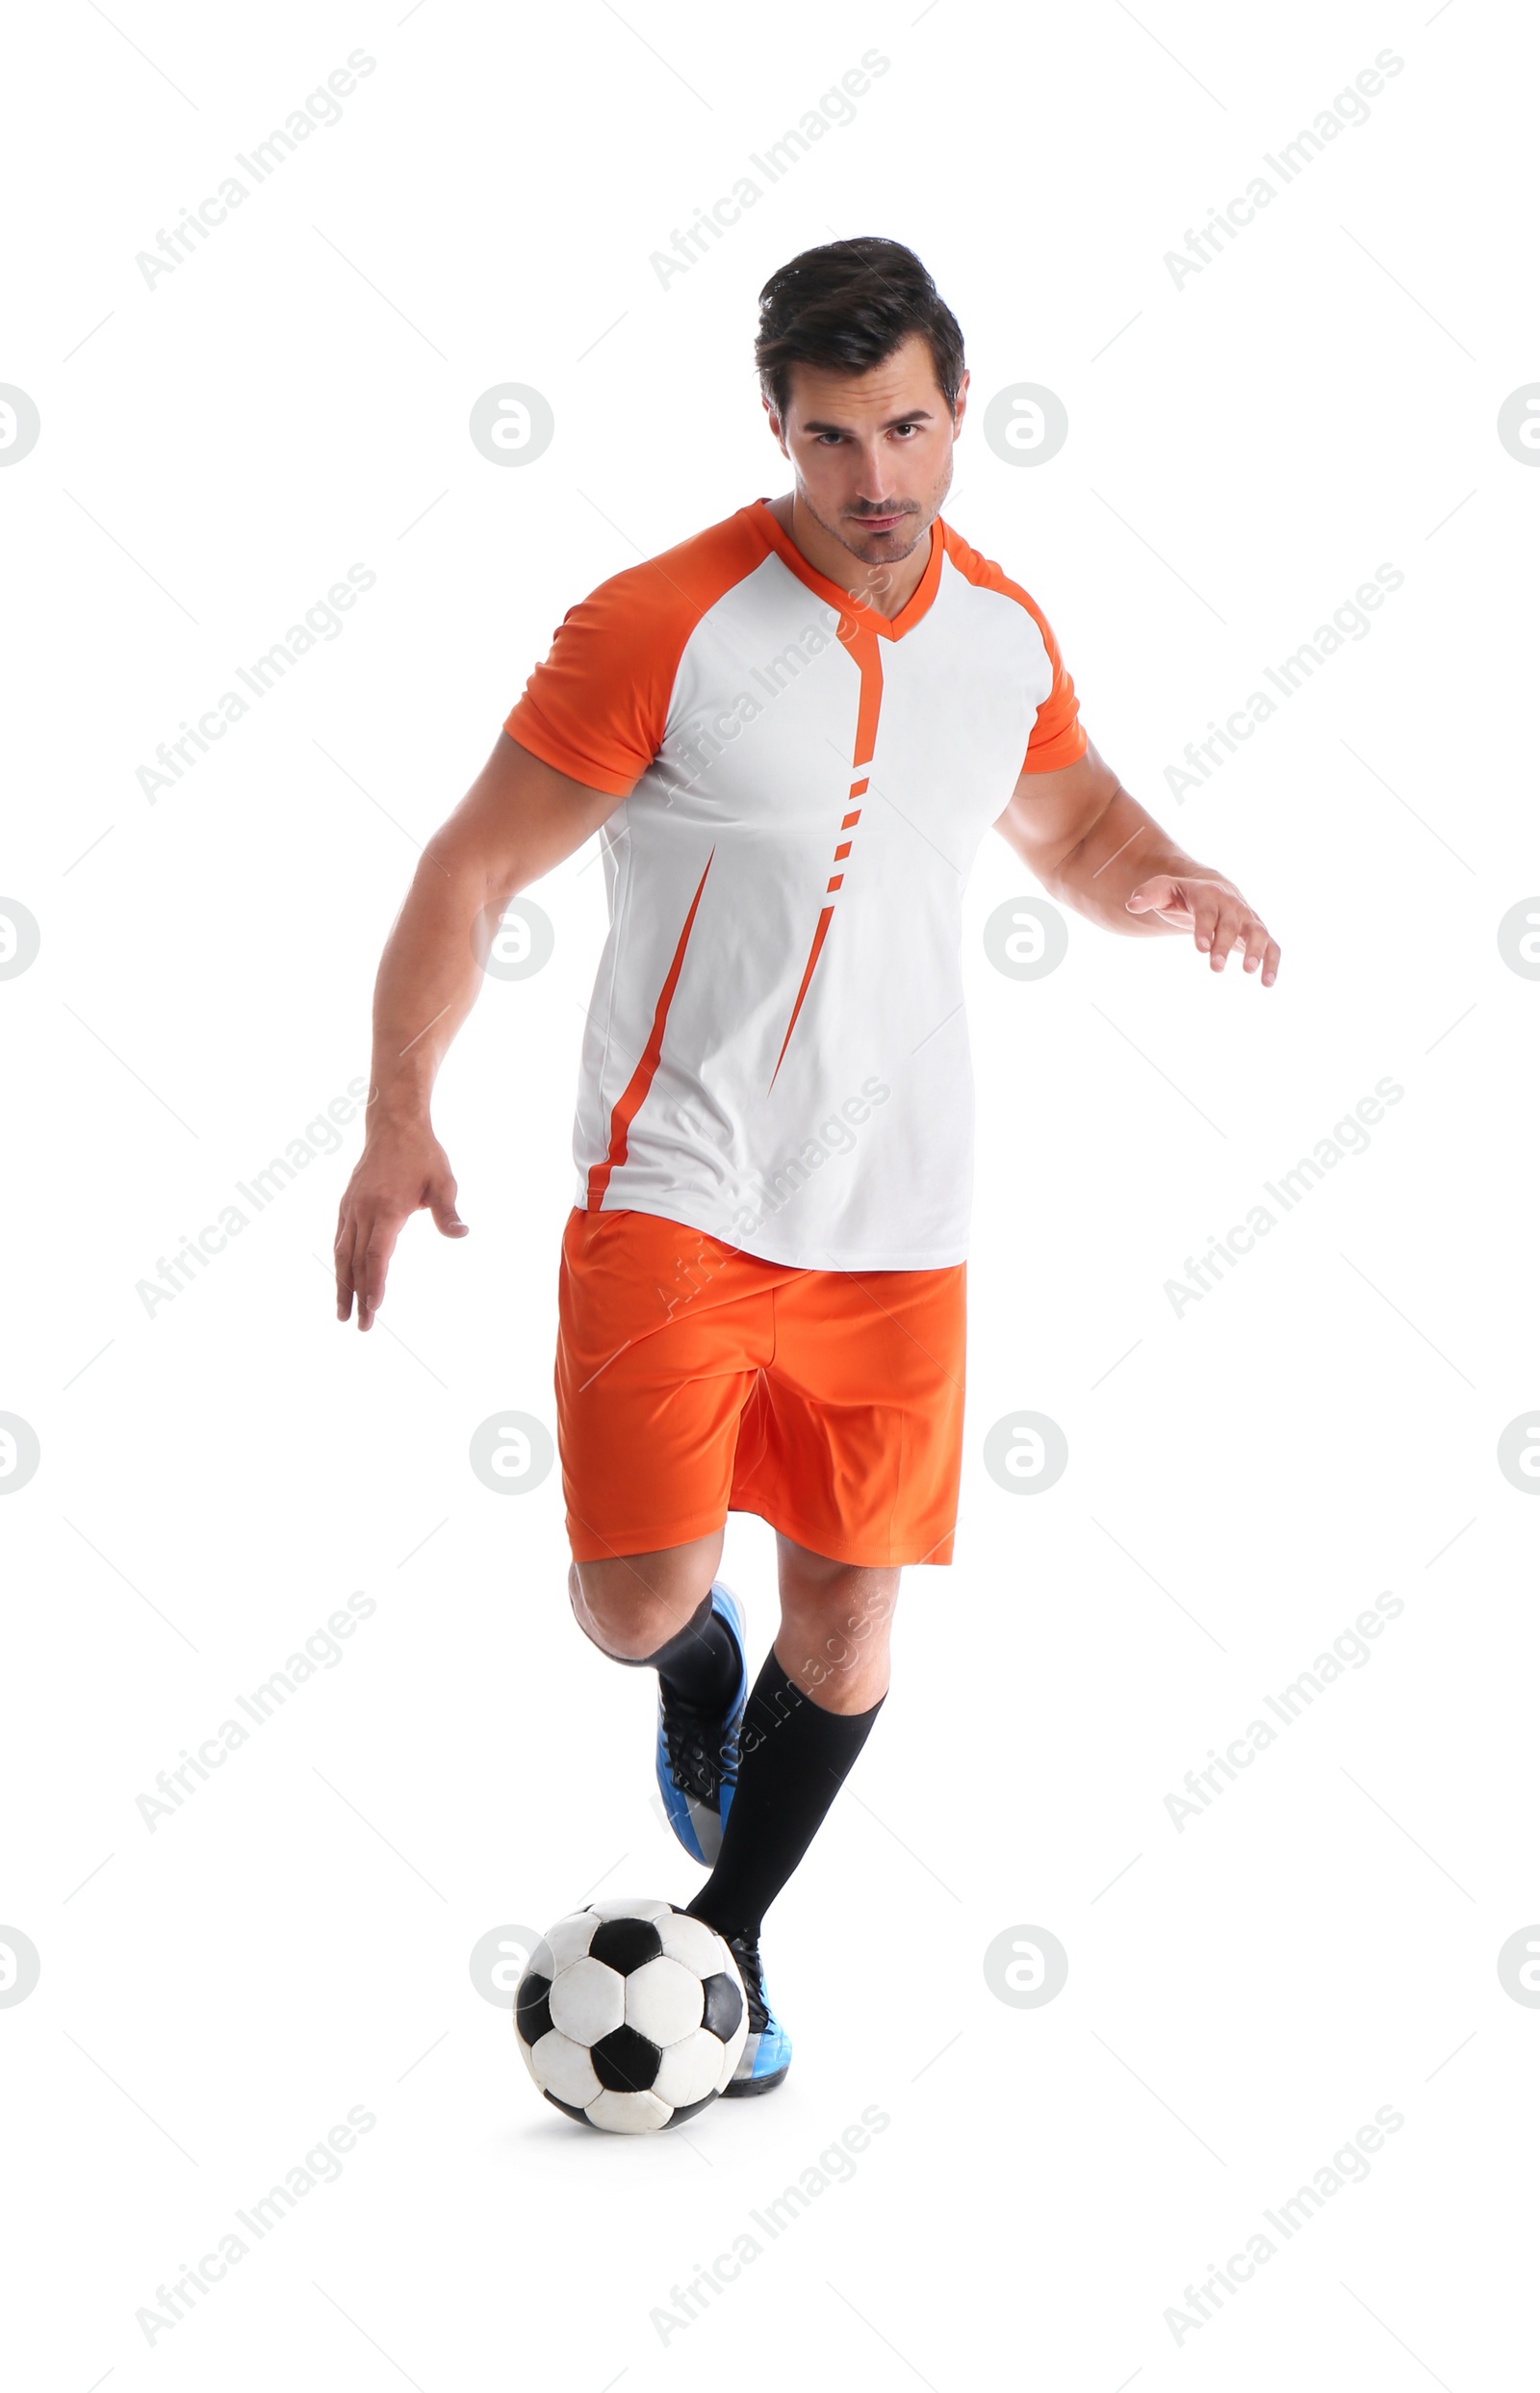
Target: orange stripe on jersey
635	1090
824	920
861	643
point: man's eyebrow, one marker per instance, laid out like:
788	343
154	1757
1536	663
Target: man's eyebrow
909	415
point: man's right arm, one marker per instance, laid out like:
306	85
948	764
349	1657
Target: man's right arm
518	821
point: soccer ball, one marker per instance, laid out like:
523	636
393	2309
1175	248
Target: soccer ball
630	2015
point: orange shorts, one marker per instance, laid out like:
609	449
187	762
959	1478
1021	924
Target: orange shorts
694	1379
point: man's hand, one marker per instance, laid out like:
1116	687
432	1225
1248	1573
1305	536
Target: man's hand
1093	847
517	820
400	1171
1216	913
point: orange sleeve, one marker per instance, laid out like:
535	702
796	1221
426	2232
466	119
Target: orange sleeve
597	707
1058	736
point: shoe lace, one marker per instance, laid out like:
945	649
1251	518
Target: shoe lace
745	1951
695	1762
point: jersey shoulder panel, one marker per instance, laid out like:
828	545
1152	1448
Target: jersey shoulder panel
985	574
597	707
1058	736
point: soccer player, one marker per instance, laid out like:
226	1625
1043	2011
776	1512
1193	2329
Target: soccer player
791	733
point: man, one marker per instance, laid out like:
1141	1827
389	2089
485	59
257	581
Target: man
791	733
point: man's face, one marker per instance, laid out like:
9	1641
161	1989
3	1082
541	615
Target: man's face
872	453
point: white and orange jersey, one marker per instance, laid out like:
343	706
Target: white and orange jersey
777	1050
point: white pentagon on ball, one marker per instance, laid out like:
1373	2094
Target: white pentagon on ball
691	1941
562	2067
630	1907
664	2000
691	2068
588	2000
569	1939
628	2114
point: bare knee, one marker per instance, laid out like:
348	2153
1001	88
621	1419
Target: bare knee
850	1624
836	1619
631	1604
617	1612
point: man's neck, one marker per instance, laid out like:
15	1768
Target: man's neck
885	588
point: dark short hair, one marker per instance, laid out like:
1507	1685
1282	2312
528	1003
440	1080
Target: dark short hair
846	307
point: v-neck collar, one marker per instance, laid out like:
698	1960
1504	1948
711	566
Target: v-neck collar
888	628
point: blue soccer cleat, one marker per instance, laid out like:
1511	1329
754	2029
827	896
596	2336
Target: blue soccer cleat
766	2054
698	1752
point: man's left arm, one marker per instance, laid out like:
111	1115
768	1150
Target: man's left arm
1094	848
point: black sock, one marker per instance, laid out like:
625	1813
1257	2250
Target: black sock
700	1663
794	1757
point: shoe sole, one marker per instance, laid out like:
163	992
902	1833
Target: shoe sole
738	2087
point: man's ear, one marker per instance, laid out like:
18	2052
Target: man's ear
959	405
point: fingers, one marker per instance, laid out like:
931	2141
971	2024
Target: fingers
440	1197
1221	927
343	1260
1217	917
375	1260
404	1169
1260	950
1229	934
354	1233
1151	895
366	1241
1208	907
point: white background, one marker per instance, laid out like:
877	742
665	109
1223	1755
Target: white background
1244	450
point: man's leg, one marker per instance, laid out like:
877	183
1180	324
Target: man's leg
809	1711
663	1610
655	1607
834	1624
